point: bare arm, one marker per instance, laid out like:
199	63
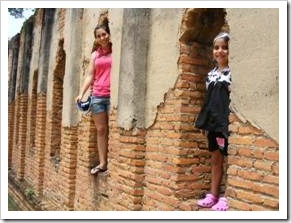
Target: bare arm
88	80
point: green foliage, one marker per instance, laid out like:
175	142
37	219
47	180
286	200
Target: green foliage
29	193
12	206
17	13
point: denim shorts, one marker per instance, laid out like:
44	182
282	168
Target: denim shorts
100	104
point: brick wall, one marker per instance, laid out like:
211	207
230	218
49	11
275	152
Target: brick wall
31	126
253	173
87	157
40	141
127	161
11	108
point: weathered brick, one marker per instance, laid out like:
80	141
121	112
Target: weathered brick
250	175
194	61
249	130
239	205
232	170
242	162
246	140
271	179
259	208
275	168
264	142
271	155
185	161
272	203
258	153
233	128
263	165
251	197
164	199
245	151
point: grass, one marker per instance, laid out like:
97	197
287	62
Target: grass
12	206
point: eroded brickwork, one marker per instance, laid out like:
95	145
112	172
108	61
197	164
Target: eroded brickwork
253	173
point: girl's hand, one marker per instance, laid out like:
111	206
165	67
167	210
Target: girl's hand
78	98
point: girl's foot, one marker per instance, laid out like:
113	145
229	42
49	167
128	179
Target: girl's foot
221	205
208	201
98	169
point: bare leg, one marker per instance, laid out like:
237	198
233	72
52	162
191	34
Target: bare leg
216	171
101	123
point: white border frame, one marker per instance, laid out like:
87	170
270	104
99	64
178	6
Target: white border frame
281	214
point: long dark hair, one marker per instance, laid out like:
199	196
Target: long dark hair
103	25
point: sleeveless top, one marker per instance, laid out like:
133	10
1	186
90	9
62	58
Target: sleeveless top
101	82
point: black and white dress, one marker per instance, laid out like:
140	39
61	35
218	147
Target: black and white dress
213	116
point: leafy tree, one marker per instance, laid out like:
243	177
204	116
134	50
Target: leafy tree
17	12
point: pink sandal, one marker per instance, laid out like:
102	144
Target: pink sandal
208	201
221	205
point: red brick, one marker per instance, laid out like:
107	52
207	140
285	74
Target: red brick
188	109
272	203
250	175
186	206
232	151
201	169
246	140
239	205
184	177
275	168
271	155
185	161
249	196
163	199
263	165
232	170
233	118
259	208
185	49
192	78
233	128
271	179
240	161
159	189
243	183
174	169
245	151
172	134
188	144
194	61
270	190
249	130
258	153
131	139
264	142
182	84
158	157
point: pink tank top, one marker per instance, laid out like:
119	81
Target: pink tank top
101	83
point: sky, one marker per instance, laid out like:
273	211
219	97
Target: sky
14	25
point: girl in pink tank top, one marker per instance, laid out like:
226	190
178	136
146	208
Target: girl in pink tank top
98	80
101	83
